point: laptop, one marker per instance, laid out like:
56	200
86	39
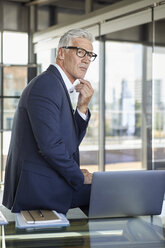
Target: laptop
127	193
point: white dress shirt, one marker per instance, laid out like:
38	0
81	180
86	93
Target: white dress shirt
70	88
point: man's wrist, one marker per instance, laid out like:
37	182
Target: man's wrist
83	109
84	116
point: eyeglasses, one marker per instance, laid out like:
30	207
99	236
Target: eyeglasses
81	52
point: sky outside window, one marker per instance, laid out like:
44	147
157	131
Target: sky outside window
15	48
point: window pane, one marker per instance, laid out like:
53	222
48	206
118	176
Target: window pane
6	142
15	80
8	115
1	156
0	81
89	145
10	106
1	101
1	135
159	96
0	47
44	59
15	48
124	68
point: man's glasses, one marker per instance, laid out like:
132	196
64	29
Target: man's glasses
81	52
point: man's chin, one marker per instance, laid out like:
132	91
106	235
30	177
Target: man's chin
82	75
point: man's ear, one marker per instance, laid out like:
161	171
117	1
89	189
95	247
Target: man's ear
61	54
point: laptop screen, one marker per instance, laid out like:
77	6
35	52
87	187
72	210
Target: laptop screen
127	193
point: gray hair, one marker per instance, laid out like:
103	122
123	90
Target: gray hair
66	39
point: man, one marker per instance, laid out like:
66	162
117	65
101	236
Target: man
42	170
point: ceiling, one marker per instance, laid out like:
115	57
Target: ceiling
69	4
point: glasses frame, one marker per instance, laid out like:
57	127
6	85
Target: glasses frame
90	58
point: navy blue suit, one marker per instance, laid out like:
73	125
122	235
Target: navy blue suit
42	170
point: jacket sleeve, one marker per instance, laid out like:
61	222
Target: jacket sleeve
44	115
81	124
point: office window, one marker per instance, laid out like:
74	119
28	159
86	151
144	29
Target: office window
15	80
89	145
9	110
44	59
123	94
6	135
1	157
15	48
159	96
14	74
0	47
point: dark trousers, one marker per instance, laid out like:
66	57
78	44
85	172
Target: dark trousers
81	198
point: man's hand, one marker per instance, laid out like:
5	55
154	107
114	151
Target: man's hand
85	94
87	176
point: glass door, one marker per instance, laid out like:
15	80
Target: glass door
128	98
159	88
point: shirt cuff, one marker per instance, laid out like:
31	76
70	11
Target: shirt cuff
84	116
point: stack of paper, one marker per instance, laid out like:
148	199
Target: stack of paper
40	219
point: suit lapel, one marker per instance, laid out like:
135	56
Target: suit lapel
57	74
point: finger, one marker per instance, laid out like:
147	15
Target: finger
84	170
86	92
84	89
83	81
78	87
82	86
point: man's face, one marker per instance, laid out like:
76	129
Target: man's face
74	66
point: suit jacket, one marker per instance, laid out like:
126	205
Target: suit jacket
42	169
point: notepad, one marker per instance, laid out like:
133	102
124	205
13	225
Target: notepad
22	224
40	216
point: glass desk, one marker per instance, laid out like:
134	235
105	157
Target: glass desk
144	232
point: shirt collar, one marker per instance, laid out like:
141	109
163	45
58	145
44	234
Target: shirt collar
68	84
